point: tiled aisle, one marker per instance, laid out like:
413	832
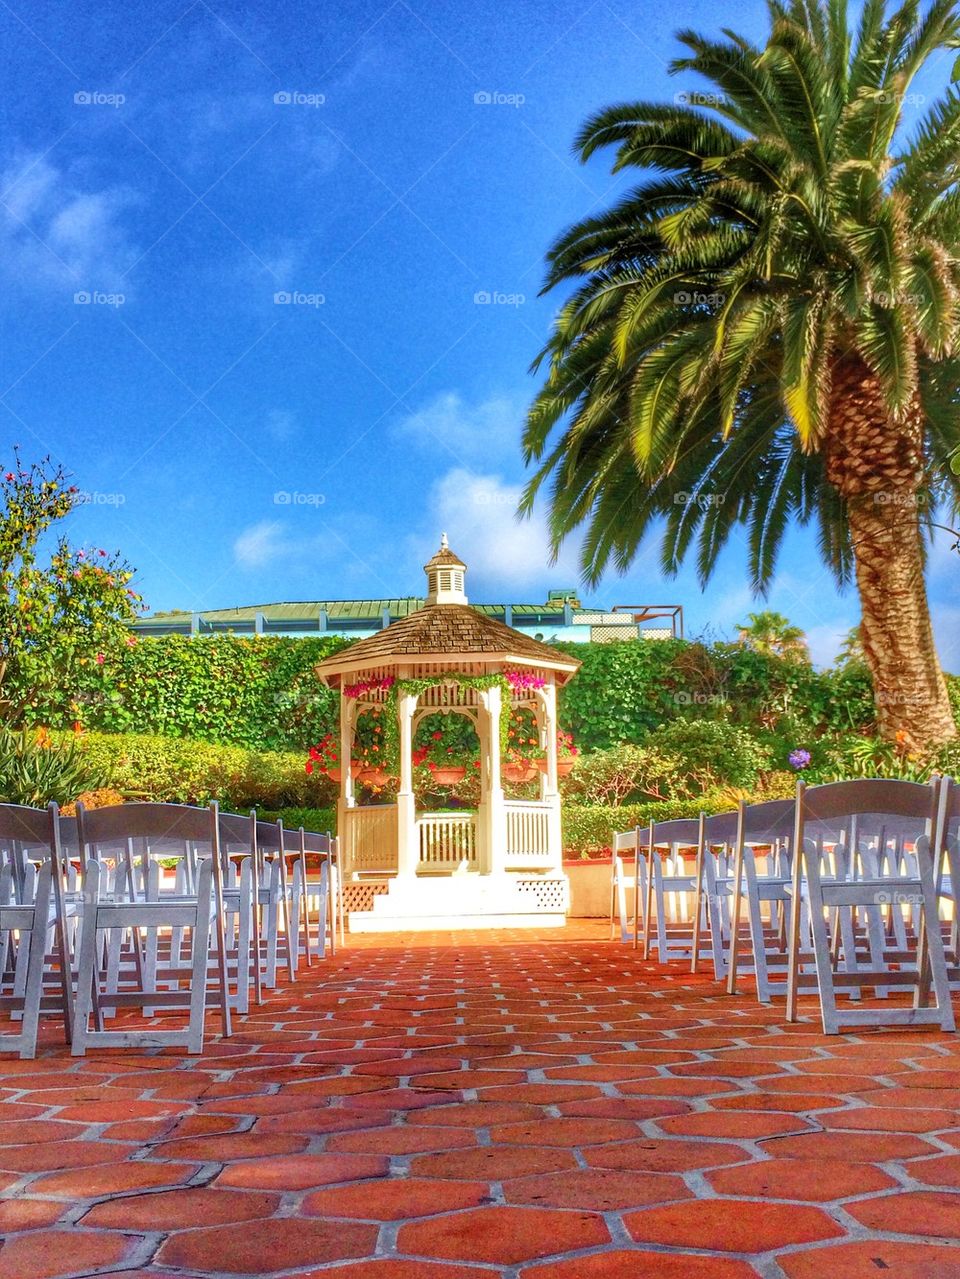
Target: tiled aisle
461	1106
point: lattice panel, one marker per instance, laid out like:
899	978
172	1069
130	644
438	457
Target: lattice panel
360	896
607	634
543	894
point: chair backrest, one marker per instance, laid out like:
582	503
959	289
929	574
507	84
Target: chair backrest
721	828
317	842
683	831
770	821
848	813
175	822
627	841
22	825
270	836
237	830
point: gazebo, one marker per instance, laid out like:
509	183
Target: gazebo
498	865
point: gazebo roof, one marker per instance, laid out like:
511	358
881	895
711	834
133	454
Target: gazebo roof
448	631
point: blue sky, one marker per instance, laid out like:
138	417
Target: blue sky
385	166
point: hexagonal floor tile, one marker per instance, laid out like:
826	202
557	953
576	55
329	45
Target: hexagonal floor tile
502	1236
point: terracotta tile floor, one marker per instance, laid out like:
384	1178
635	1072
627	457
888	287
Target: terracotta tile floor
525	1105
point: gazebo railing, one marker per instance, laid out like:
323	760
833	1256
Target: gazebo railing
528	833
447	840
369	840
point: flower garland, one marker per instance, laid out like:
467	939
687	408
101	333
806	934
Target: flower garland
508	682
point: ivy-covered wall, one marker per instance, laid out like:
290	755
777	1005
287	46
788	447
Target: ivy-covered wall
263	693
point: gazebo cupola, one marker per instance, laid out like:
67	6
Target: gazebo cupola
445	573
501	861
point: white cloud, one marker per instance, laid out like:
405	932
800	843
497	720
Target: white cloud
478	512
487	429
261	544
57	232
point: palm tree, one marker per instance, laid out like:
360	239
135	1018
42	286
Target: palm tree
773	635
763	328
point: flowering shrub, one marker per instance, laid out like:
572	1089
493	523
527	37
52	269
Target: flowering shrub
369	686
60	617
324	757
799	759
522	681
523	738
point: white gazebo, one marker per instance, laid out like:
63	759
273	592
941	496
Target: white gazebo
500	865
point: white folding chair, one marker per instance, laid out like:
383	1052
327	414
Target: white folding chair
628	875
670	887
713	891
126	907
33	942
275	902
859	888
323	846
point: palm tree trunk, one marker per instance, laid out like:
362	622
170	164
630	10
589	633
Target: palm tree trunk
909	690
877	466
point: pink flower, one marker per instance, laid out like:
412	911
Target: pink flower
9	477
100	659
103	553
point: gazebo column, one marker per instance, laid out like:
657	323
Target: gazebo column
549	782
408	850
495	825
346	801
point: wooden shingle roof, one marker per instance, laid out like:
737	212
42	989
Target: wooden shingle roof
454	630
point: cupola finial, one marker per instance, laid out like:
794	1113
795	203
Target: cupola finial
445	573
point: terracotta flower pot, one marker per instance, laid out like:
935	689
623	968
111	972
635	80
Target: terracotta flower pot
564	766
524	772
372	776
335	775
448	776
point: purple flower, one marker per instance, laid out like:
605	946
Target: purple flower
799	759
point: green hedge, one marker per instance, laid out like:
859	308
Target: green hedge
173	770
263	693
257	692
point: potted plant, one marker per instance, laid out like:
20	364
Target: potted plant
566	755
325	758
520	760
441	759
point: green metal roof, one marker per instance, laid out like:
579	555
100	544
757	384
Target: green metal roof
341	610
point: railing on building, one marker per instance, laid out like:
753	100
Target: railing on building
528	833
447	841
369	839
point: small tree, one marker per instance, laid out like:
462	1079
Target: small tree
773	635
57	614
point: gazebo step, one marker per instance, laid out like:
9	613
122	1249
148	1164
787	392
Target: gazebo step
467	901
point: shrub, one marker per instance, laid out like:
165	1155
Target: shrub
319	820
35	768
679	761
588	828
174	770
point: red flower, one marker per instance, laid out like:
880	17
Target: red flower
437	736
9	477
308	767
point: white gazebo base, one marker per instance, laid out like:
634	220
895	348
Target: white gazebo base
460	902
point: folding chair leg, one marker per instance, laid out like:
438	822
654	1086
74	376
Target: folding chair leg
87	951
